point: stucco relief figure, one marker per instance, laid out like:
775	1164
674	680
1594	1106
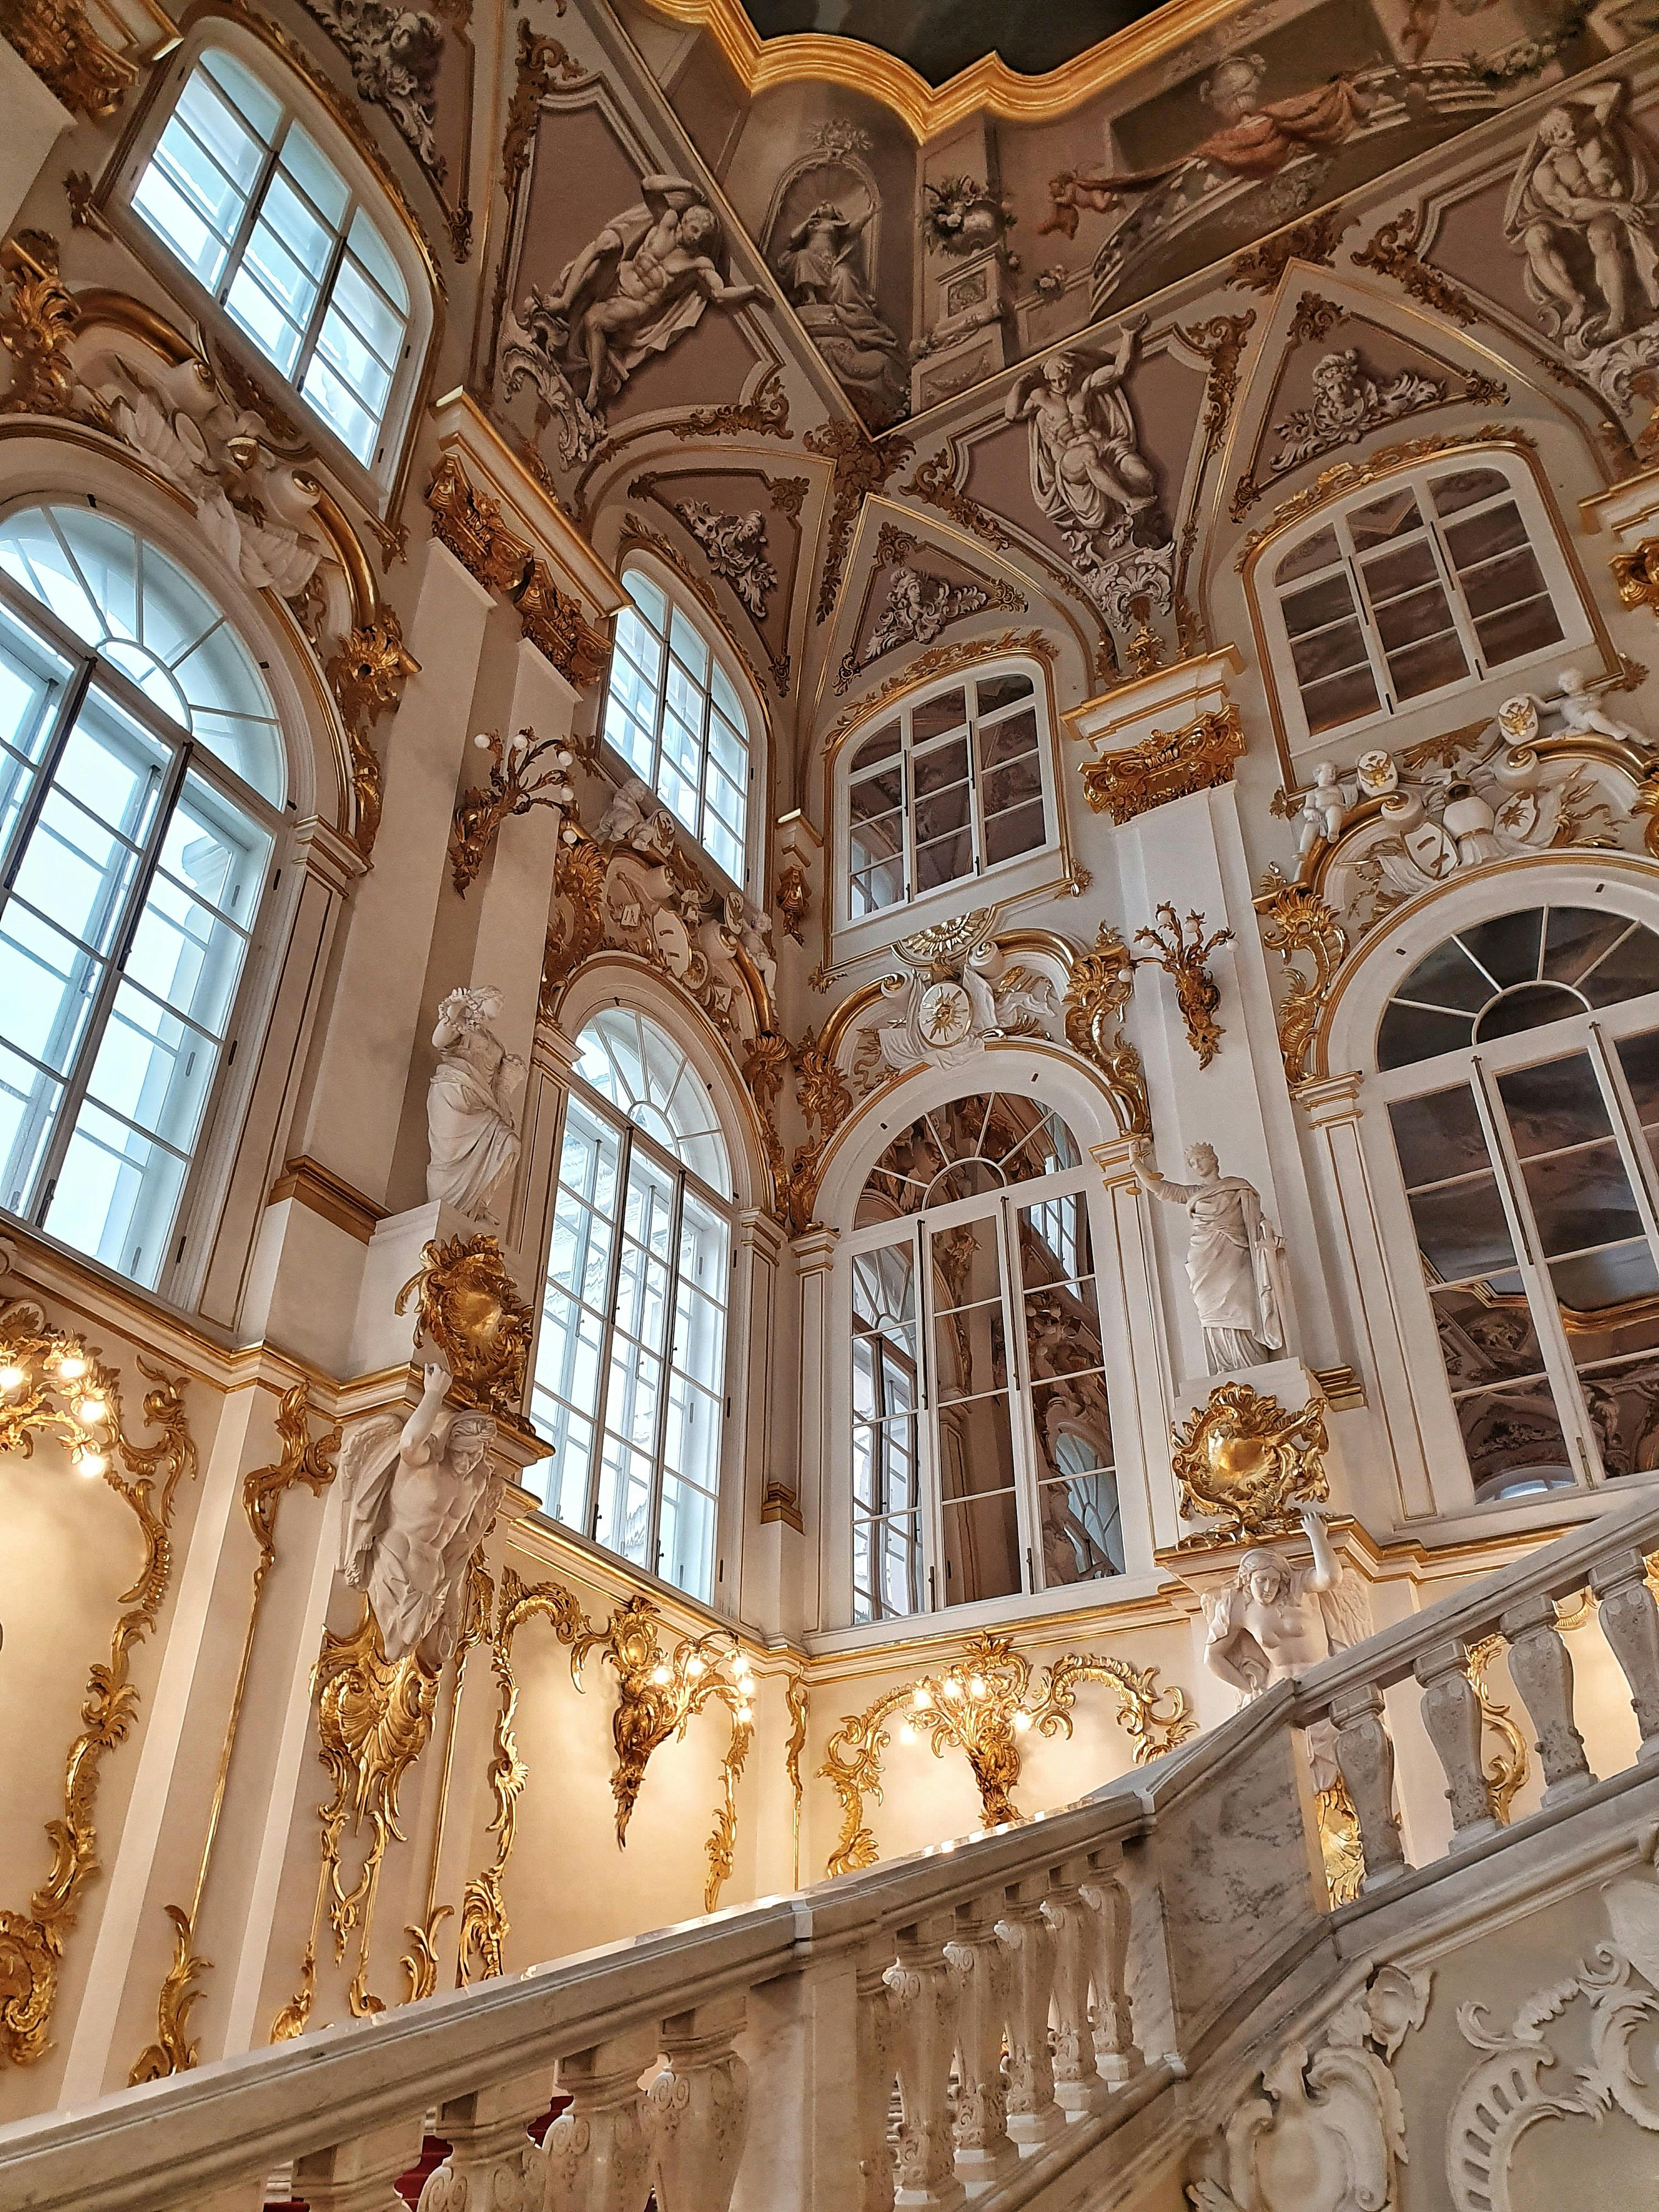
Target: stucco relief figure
1087	473
1348	403
1278	1620
1233	1260
418	1496
634	290
470	1128
395	54
820	265
1583	716
1324	809
1584	210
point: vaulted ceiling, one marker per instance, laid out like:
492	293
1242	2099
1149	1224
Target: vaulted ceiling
941	38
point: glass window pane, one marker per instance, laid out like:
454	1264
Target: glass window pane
117	1195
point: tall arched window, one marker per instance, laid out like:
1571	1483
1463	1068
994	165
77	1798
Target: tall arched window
674	715
278	239
1520	1064
949	786
630	1365
1423	585
982	1461
142	780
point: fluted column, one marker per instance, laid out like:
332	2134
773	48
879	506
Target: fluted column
1540	1668
1451	1714
597	2156
1033	2115
924	2018
1364	1757
1630	1621
983	2150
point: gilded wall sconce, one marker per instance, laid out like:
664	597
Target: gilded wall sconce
982	1705
1184	958
512	789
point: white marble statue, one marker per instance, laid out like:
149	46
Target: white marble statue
1581	714
1087	472
471	1134
636	816
1233	1260
1324	809
418	1496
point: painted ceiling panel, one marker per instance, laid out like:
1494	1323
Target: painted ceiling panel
941	38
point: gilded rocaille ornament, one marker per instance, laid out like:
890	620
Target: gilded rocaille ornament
1182	951
367	672
792	898
470	525
468	1306
36	325
60	46
1242	1459
981	1705
53	1387
1294	920
1098	993
1170	764
512	789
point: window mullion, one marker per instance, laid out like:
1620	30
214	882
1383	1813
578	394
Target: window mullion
607	1335
314	328
659	1445
1022	1431
1452	585
45	770
931	1508
237	245
1638	1161
1534	1274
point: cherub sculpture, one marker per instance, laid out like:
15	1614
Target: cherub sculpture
1582	716
419	1495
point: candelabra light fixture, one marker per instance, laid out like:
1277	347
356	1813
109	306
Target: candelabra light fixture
1183	953
51	1385
514	788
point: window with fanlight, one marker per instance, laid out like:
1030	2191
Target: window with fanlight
248	188
981	1451
1519	1064
1429	582
952	785
630	1362
142	778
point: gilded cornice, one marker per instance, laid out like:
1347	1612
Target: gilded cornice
989	87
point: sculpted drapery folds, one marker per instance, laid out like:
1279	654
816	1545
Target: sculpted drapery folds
820	265
1233	1260
472	1139
1583	209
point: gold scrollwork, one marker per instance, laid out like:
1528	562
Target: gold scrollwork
367	672
794	1696
1170	764
53	1385
1097	993
60	46
1240	1457
1184	958
1635	573
420	1961
981	1705
302	1459
467	1304
1340	1844
512	790
374	1716
1294	920
1508	1767
470	525
36	325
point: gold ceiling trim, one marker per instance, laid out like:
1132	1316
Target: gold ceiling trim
988	87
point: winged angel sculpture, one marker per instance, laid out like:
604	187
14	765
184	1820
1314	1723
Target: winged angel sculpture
419	1495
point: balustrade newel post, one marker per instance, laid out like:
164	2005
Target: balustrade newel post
1630	1622
1451	1714
1028	1940
1364	1759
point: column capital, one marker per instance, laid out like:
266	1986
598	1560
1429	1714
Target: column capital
1332	1098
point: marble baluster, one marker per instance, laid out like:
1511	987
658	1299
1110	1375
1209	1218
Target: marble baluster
1364	1757
697	2110
1117	2055
1630	1621
983	2150
1078	2089
924	2043
1451	1714
876	2036
1540	1668
361	2175
597	2160
492	2161
1033	2115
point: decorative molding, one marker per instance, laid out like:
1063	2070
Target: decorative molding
1242	1459
467	1305
302	1460
420	1961
319	1190
939	660
935	481
1507	1768
62	1391
60	46
1353	475
765	413
36	325
1294	920
1170	764
1393	252
981	1705
367	672
637	532
1097	996
1219	343
794	1698
470	525
1184	958
793	899
861	469
1315	240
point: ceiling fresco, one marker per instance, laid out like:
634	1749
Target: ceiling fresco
941	38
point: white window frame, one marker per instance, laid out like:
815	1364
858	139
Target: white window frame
1479	1068
201	1191
373	480
631	1139
1019	874
910	1233
679	599
1544	536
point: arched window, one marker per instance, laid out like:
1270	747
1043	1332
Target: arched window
238	188
1520	1074
1423	585
674	715
949	786
982	1461
142	780
630	1365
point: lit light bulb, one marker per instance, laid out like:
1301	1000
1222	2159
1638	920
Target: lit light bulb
745	1712
91	1462
976	1687
71	1369
953	1688
921	1700
11	1378
746	1679
907	1734
92	1409
696	1666
659	1675
483	741
1022	1720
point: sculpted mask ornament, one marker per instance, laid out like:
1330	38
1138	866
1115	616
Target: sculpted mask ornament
633	291
1233	1260
963	988
419	1495
473	1139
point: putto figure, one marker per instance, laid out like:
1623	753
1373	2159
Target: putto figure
1087	473
1233	1260
419	1495
1583	209
471	1134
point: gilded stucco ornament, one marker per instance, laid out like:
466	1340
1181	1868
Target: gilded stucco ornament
1242	1459
468	1308
1098	993
982	1705
1296	920
1170	764
367	672
470	523
793	899
512	789
1182	951
962	988
861	470
53	1385
58	43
